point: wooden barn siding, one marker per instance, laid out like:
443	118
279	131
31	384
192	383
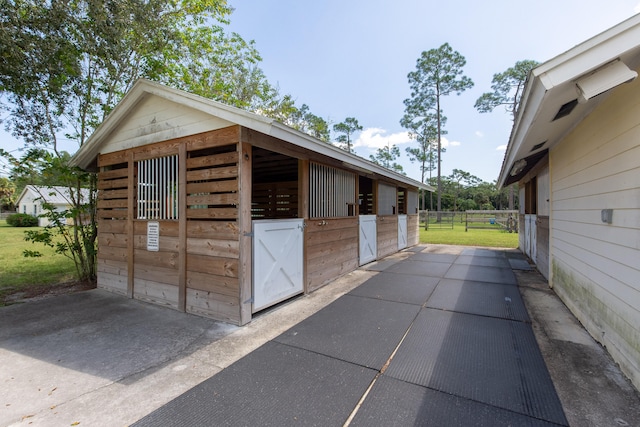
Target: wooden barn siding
387	229
595	267
413	230
331	248
209	266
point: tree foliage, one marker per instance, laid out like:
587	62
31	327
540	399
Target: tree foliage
65	65
463	191
7	194
439	73
506	88
305	121
22	220
386	157
346	128
425	131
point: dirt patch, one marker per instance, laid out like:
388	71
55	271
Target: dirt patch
38	292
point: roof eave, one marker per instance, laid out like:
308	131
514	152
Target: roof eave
564	69
142	88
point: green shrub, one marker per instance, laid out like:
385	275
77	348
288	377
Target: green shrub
22	220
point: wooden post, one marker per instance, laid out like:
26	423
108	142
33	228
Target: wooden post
303	212
182	227
131	187
244	219
303	189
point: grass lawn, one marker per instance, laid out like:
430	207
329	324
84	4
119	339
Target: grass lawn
496	238
29	275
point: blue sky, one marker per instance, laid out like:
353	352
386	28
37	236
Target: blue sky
350	58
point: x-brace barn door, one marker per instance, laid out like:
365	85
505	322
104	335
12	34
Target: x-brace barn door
278	247
368	239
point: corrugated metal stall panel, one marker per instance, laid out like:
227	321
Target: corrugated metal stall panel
386	199
412	202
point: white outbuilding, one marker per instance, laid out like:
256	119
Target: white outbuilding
33	197
574	152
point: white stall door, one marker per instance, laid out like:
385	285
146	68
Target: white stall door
368	239
278	247
402	231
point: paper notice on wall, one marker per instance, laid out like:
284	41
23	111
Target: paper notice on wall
153	236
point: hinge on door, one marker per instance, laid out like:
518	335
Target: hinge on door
249	234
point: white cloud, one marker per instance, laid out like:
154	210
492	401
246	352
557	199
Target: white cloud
502	147
637	8
446	143
374	138
479	134
378	138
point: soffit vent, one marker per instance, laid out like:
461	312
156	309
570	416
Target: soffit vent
537	146
565	110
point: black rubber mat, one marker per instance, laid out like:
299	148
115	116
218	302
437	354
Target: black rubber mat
449	258
355	329
488	360
519	264
416	248
485	299
483	252
485	261
398	287
478	273
276	385
393	402
420	268
380	265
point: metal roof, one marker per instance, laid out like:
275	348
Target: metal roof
552	89
56	195
87	154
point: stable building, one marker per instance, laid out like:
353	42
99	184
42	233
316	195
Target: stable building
574	152
36	200
215	211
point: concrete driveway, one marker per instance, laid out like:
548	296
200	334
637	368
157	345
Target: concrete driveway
99	359
94	358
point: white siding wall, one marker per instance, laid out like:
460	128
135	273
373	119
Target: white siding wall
596	266
32	207
543	192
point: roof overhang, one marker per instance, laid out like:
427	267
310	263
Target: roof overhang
88	153
560	93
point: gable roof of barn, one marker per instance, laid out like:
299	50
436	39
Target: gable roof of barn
143	89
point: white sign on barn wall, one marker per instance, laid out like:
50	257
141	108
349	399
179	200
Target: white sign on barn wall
153	236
